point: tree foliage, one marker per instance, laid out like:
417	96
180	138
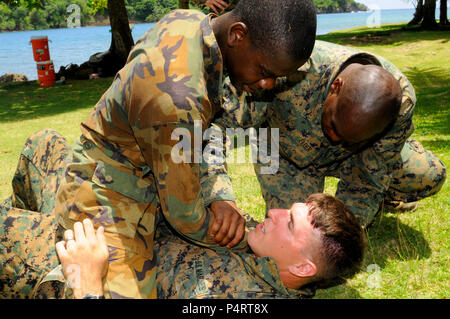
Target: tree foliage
330	6
41	14
149	10
53	14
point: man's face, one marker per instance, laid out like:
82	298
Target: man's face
286	235
329	120
338	125
250	70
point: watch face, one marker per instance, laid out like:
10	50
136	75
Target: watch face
91	296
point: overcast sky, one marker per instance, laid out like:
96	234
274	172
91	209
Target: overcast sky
389	4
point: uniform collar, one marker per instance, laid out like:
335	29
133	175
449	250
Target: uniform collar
265	271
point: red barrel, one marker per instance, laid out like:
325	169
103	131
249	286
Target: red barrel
46	73
40	48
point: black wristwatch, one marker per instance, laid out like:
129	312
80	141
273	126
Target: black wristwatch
91	296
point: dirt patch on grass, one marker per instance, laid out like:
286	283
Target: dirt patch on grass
369	38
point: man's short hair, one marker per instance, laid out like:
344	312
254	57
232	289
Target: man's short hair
289	25
343	239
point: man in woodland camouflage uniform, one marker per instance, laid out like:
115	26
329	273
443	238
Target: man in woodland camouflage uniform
390	167
120	173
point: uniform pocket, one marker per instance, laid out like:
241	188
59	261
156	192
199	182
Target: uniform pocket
125	183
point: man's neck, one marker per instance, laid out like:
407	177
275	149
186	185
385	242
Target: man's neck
291	281
220	28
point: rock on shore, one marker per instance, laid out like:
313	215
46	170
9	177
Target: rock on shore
13	77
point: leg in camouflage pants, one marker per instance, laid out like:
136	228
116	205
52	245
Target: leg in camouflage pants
27	230
421	174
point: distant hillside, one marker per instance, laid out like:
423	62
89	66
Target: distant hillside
337	6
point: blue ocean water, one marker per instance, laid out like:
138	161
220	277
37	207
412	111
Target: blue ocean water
76	45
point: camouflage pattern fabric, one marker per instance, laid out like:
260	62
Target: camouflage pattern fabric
30	266
121	174
388	169
189	271
231	4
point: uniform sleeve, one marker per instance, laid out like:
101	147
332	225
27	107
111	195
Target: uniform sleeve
240	112
366	176
177	176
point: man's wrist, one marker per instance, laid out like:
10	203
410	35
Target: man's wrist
88	289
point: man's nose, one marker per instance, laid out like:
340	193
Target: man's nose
276	213
268	83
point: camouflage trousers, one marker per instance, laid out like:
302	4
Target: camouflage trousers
421	174
28	231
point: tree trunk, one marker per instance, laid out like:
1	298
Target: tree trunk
121	38
429	15
109	62
183	4
443	13
418	14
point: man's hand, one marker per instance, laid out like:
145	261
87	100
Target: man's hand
216	5
84	258
229	225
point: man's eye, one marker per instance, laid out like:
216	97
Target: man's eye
265	73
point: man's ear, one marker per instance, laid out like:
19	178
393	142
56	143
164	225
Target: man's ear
336	86
303	269
237	33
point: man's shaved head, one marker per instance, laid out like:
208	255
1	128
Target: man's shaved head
363	102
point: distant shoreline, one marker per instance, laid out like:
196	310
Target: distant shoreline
105	22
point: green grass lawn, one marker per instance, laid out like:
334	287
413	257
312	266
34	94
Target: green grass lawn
407	254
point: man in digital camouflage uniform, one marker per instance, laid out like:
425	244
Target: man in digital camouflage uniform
30	267
120	173
393	169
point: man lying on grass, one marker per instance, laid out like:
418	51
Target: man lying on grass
288	253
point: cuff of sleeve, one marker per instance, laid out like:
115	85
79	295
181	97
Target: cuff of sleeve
217	187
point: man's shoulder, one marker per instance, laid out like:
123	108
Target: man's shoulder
175	24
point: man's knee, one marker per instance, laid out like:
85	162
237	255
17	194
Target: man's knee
40	147
440	177
422	173
45	151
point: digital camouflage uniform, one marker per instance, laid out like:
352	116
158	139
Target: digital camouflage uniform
390	169
121	173
30	266
28	229
190	271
